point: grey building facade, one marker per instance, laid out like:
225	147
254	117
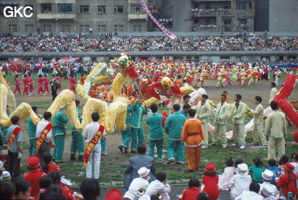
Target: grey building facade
283	15
77	16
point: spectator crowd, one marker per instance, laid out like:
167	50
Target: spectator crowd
110	42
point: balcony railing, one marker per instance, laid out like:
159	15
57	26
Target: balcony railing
56	16
210	12
204	27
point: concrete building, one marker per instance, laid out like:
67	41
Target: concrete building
210	15
77	16
262	15
223	15
283	15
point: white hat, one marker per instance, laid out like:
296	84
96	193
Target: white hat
242	168
267	175
143	172
145	197
129	195
6	176
267	190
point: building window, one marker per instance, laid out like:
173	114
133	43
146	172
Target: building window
65	7
46	7
119	28
84	8
29	28
47	28
12	28
85	28
135	8
118	9
102	28
227	21
66	28
242	21
137	28
101	9
243	4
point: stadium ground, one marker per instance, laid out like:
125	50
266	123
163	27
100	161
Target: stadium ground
114	164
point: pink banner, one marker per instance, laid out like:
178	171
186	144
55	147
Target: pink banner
164	29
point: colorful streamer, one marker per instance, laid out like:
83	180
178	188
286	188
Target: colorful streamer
164	29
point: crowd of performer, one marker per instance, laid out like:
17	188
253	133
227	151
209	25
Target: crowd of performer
187	130
114	42
185	73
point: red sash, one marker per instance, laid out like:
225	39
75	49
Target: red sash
13	136
92	144
43	136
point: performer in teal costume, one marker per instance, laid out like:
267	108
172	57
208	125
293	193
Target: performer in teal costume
77	143
59	122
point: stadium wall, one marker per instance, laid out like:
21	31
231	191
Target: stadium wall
216	56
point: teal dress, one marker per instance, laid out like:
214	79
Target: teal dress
154	122
126	134
59	122
31	136
256	173
173	126
137	124
77	142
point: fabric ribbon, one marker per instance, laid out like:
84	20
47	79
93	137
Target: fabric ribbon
160	26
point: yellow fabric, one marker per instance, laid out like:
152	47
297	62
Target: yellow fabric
187	90
151	101
66	97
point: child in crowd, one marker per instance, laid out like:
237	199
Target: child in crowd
203	196
256	170
22	189
193	190
49	165
272	167
159	187
287	181
210	181
236	163
282	161
225	180
241	181
44	183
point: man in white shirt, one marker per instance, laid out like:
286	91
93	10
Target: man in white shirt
221	115
238	112
159	187
273	92
204	112
139	185
92	131
252	194
40	127
258	134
